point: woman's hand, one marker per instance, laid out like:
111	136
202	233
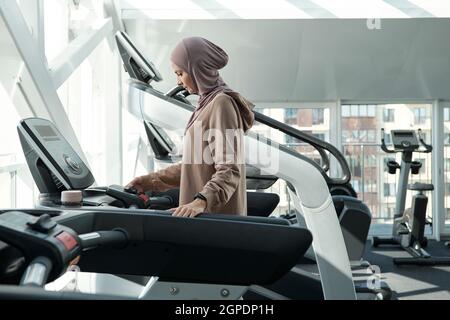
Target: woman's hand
192	209
139	183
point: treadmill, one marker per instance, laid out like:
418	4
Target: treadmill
210	257
354	216
159	108
309	183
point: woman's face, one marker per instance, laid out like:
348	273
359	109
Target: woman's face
184	80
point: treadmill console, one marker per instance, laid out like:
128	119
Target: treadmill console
134	63
54	164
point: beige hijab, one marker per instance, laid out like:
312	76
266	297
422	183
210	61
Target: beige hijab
202	59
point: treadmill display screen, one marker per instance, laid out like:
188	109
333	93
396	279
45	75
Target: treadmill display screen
164	136
404	134
45	131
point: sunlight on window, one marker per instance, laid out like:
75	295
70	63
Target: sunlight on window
8	123
84	99
269	9
361	9
168	9
16	185
438	8
447	164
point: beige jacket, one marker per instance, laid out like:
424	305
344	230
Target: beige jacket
213	161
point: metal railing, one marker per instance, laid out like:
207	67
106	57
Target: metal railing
10	167
374	185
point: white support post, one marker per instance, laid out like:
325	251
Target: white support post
36	66
335	133
437	168
33	12
78	50
112	9
113	101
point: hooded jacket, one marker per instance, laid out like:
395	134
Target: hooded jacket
213	161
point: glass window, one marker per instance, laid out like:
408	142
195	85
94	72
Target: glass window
390	210
84	96
447	165
361	137
346	135
446	114
447	138
290	113
290	116
420	116
354	110
371	109
388	115
345	110
304	119
389	189
371	135
13	169
291	141
356	185
66	20
6	191
370	186
320	136
363	110
318	116
355	135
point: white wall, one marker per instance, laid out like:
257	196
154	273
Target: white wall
315	60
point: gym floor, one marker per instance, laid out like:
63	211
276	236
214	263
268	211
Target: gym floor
412	282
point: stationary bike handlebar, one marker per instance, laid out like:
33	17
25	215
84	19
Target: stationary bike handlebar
383	143
427	148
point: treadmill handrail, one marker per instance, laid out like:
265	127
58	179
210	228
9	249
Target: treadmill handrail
315	142
320	145
266	120
326	160
175	90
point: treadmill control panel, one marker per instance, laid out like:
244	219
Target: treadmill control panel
46	149
38	236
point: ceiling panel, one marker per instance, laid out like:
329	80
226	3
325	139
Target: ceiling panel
316	59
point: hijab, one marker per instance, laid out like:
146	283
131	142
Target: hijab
202	59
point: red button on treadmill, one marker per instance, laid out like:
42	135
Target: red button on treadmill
67	240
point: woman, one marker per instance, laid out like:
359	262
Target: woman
211	175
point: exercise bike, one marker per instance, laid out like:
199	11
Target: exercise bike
409	225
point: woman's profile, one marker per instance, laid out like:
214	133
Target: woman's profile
211	175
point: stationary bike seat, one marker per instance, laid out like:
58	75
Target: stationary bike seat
417	186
